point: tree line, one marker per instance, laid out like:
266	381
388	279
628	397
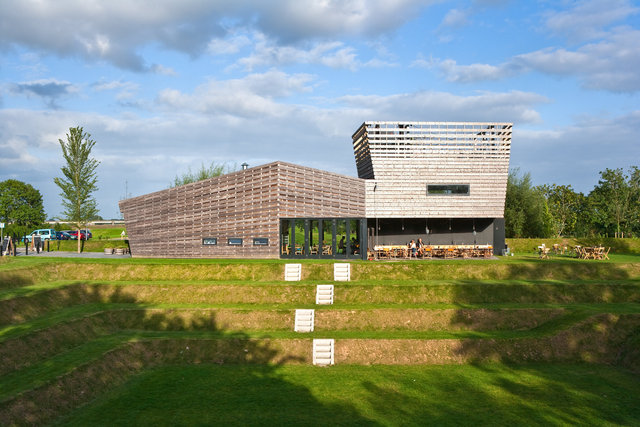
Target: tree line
611	209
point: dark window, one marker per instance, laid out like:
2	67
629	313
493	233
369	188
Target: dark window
260	241
210	241
448	189
234	241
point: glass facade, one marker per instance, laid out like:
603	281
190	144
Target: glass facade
323	238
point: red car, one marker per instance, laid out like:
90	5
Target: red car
74	234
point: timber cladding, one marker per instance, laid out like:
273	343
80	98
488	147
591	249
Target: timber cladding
247	204
399	160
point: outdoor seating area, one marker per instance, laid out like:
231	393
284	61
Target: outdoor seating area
582	252
431	251
592	252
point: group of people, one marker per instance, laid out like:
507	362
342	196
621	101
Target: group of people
415	247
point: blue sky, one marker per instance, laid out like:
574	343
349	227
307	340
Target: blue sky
164	86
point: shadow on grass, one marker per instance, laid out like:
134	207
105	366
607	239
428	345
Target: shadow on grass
581	336
214	395
508	395
74	362
24	308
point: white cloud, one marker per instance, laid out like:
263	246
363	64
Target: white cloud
161	69
233	121
474	72
575	154
293	20
227	46
115	85
116	31
249	97
456	18
609	64
588	19
511	106
267	53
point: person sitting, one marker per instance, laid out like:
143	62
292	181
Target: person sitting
413	248
419	246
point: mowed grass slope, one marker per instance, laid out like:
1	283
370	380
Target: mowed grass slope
104	333
489	394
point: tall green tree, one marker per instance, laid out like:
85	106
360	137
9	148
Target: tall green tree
80	179
526	213
613	201
634	183
564	208
20	206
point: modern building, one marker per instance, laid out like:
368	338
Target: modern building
442	182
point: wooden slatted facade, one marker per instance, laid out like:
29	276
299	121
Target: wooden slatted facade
442	182
243	205
399	159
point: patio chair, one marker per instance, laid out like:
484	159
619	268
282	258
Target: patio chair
427	253
449	253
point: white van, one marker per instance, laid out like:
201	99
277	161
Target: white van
44	233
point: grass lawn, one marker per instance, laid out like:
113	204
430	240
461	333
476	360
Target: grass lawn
183	342
492	394
107	232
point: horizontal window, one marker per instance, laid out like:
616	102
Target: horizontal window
448	189
234	241
260	241
210	241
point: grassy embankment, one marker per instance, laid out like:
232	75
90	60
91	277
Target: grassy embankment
618	246
130	333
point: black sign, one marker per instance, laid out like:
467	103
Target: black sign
260	241
210	241
234	241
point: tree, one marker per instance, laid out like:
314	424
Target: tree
634	183
526	213
79	179
564	205
20	206
215	169
613	201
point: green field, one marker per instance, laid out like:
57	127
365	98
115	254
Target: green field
491	394
182	342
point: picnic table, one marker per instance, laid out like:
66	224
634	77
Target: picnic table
592	252
543	252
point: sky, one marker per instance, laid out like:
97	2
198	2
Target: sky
167	86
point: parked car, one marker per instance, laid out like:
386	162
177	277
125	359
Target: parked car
62	235
83	234
44	233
